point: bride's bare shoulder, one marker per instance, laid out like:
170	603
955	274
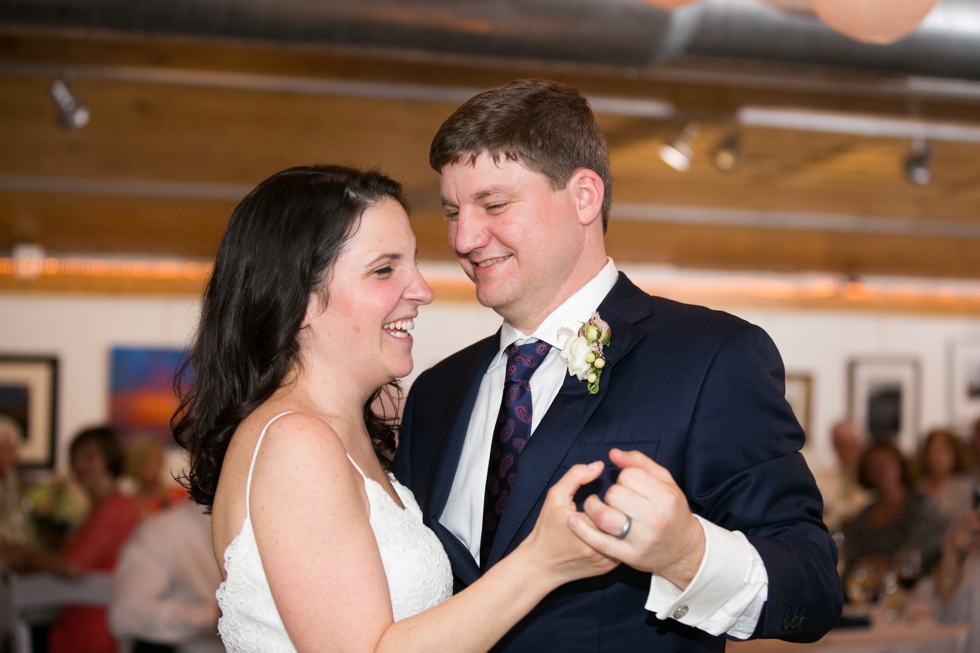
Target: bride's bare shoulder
293	441
295	433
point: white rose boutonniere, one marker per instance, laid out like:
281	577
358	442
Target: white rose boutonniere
583	352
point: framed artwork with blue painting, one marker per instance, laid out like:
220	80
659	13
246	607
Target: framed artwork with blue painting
29	404
142	397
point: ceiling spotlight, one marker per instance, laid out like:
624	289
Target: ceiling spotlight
72	114
917	165
729	152
677	152
28	261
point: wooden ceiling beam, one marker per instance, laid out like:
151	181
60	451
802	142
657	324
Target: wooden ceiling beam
157	170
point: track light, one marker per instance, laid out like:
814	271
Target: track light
728	154
918	166
72	114
677	152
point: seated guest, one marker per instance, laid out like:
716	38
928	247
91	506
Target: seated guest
958	579
12	516
96	462
144	464
843	496
944	462
900	518
164	586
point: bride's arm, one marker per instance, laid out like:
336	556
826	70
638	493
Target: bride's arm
308	510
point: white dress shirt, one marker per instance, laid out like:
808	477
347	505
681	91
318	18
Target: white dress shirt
731	586
164	584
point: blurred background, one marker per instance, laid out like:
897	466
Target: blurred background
810	165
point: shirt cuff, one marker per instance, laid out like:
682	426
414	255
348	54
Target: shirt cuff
726	595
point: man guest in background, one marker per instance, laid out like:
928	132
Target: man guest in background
163	590
843	495
715	515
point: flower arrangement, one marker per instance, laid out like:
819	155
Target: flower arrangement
583	352
55	508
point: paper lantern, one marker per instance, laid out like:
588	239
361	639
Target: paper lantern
873	21
799	6
668	4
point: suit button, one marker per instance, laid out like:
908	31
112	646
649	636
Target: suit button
787	622
680	612
798	623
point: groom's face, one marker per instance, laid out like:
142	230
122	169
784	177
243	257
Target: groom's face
515	236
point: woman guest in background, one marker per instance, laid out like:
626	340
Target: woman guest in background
96	461
900	518
945	463
307	316
958	579
144	465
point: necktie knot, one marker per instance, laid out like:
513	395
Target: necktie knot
523	360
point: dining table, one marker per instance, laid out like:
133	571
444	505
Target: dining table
913	631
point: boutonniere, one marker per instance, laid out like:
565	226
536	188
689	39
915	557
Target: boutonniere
583	352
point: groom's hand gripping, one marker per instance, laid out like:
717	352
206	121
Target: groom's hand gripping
553	544
663	537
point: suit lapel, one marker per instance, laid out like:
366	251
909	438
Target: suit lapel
450	444
446	460
569	413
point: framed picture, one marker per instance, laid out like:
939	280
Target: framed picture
799	390
964	396
883	399
142	397
28	402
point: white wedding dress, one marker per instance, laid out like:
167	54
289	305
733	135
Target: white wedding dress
418	571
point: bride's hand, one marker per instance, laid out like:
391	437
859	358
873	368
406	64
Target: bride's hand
554	547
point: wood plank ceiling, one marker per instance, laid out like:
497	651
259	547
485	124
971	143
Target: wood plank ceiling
84	192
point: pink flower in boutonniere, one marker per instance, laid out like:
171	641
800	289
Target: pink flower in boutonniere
583	353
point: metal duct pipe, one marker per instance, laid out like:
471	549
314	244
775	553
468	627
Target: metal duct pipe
624	33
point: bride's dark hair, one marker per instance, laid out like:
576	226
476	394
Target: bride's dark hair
278	249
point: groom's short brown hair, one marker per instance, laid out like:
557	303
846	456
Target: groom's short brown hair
547	126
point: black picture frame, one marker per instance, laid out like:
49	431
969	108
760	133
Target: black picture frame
884	397
964	382
799	395
29	397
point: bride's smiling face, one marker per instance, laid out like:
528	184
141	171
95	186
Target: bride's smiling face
373	294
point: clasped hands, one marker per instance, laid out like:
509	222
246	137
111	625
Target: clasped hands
663	537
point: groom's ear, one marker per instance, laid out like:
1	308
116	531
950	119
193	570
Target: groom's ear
588	190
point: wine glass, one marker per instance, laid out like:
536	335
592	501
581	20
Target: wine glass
908	562
861	586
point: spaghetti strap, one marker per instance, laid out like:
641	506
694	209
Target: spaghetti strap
359	471
248	483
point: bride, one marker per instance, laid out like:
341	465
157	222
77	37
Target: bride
306	319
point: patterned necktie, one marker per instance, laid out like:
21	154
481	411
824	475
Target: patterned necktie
510	434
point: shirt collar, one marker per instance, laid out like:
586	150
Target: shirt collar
575	311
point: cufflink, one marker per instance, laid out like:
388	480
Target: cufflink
680	612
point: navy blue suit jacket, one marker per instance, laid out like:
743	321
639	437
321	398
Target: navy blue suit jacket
699	391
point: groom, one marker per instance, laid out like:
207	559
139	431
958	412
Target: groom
708	502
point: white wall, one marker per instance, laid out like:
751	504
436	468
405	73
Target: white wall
822	343
80	331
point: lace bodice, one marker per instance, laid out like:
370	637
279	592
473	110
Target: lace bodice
418	571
